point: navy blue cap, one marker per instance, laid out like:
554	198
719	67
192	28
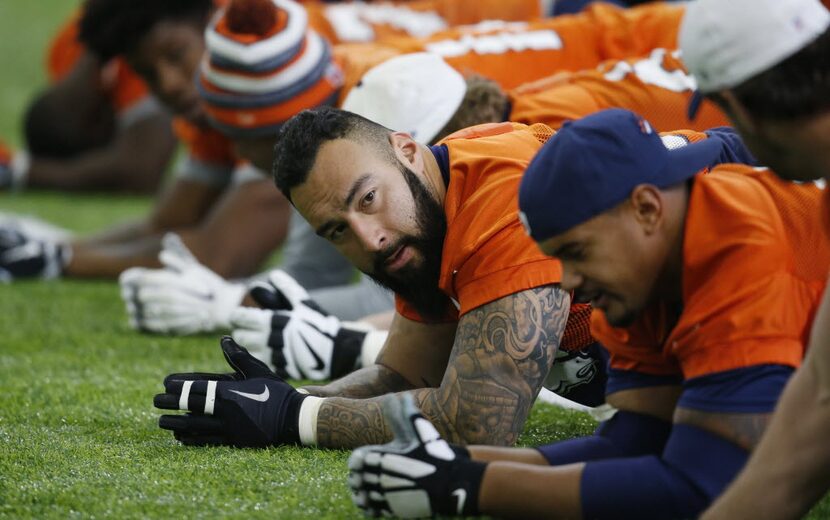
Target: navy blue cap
591	165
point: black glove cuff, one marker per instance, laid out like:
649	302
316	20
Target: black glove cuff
467	475
347	347
289	432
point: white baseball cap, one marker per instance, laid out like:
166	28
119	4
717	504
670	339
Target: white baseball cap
726	42
415	93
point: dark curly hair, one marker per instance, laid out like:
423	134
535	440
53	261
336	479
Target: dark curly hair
114	27
797	87
300	138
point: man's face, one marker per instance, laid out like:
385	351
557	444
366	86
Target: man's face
380	215
168	58
790	149
610	261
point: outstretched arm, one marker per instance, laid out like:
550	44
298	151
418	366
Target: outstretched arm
499	360
790	469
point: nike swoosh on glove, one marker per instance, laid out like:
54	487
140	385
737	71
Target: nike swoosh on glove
416	475
23	257
248	408
183	298
299	340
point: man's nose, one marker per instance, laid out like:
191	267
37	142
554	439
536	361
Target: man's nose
370	235
170	81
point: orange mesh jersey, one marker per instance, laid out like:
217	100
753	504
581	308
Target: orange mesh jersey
487	254
754	268
366	22
513	53
656	86
123	86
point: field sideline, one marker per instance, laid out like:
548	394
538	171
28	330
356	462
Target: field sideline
78	432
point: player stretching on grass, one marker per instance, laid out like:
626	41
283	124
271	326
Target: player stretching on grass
776	93
480	310
705	284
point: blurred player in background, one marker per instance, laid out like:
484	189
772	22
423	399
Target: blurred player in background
95	127
773	82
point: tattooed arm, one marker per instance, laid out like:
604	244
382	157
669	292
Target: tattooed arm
501	355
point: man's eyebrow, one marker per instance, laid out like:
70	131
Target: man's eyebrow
363	179
356	186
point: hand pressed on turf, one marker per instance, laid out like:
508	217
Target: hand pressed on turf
248	408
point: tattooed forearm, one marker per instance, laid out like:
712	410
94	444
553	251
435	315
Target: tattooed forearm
367	382
502	353
349	423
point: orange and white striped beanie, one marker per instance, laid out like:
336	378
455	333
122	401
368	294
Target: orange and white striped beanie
263	65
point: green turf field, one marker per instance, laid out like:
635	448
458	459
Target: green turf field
78	434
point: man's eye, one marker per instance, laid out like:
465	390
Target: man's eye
368	199
337	232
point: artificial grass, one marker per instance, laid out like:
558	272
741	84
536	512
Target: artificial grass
79	435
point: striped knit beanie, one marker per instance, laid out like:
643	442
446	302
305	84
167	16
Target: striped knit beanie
264	65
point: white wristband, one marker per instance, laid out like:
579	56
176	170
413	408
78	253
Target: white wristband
372	345
307	423
20	168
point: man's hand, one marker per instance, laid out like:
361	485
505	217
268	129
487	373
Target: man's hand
184	297
418	474
295	336
248	408
25	257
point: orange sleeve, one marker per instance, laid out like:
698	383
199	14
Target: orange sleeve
551	101
743	304
513	54
64	50
825	213
121	83
464	12
656	86
203	144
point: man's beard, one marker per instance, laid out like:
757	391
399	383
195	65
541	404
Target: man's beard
418	286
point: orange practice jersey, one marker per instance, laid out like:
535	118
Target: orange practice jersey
124	86
754	269
487	254
377	21
513	53
656	87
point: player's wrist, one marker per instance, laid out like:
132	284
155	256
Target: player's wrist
465	480
231	297
20	164
307	412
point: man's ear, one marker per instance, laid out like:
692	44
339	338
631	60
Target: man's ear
648	207
406	149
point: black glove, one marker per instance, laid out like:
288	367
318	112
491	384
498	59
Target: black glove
416	475
23	257
248	408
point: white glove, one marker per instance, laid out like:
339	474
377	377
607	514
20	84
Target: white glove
184	297
298	340
416	475
24	257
